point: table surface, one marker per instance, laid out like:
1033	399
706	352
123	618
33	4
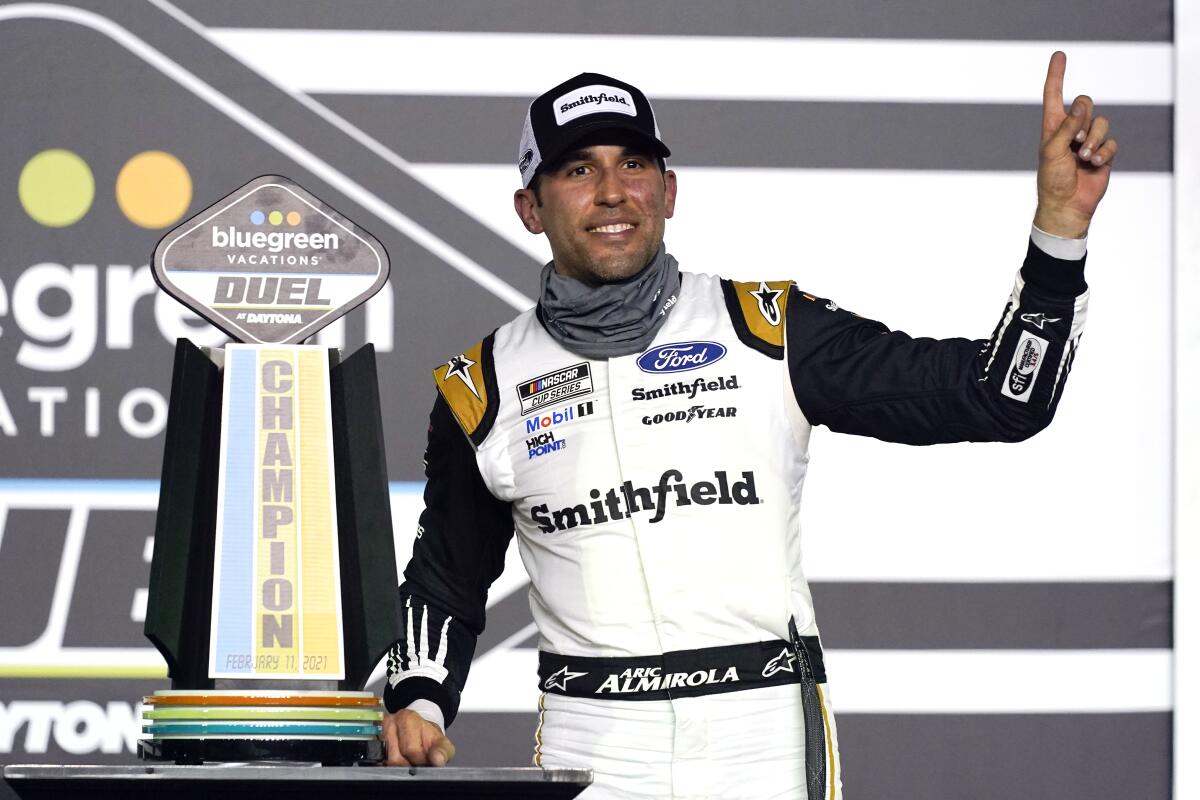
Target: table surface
232	779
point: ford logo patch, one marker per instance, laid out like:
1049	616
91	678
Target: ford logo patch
681	357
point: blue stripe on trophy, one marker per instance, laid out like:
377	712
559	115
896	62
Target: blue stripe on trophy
235	647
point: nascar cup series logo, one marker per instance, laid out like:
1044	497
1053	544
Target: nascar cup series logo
555	387
270	263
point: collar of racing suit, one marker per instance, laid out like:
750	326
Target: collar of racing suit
612	319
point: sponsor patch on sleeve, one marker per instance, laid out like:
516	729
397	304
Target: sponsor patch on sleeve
757	310
1026	363
763	305
461	381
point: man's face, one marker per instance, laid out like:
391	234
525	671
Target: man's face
603	208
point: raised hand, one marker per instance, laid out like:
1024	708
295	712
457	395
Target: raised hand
1075	159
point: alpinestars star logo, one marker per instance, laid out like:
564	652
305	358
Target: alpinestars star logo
559	679
768	303
1039	319
460	366
780	663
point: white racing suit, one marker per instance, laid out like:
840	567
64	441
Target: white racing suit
655	498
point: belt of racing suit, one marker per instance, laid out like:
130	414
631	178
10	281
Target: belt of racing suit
682	673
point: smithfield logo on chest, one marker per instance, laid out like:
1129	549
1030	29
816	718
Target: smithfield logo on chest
554	387
621	502
681	356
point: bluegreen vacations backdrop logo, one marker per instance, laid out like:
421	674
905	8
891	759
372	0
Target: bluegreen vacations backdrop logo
270	263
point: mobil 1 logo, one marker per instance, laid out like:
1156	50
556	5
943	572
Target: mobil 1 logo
541	429
551	419
270	263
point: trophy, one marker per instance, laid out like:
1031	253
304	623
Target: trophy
273	582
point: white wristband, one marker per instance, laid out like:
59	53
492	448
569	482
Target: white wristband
1059	246
430	711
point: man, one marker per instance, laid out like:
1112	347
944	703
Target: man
645	431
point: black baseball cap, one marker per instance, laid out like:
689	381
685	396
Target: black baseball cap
586	103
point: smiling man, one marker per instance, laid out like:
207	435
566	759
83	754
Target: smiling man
645	432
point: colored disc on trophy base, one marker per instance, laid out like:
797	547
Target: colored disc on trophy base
195	726
263	697
249	729
178	713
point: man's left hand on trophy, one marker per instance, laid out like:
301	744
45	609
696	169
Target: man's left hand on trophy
409	740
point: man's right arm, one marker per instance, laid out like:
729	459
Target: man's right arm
458	553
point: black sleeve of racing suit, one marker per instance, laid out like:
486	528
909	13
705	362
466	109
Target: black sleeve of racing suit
458	553
855	376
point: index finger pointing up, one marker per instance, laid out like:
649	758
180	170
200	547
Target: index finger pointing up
1052	93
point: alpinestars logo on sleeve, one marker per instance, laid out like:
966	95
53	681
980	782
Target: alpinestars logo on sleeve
1039	319
460	366
768	303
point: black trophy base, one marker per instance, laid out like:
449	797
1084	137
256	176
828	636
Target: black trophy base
327	752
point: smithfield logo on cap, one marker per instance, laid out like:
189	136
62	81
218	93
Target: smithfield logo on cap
595	99
681	357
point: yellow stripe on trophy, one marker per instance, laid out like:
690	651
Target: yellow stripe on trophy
318	536
276	636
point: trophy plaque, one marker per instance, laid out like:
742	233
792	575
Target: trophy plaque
273	581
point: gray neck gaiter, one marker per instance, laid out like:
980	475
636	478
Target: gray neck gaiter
612	319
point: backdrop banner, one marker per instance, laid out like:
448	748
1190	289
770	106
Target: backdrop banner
976	600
